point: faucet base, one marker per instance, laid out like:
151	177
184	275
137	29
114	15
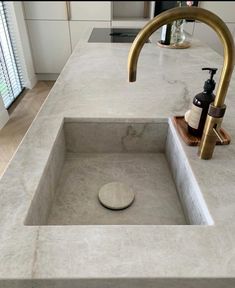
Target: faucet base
209	137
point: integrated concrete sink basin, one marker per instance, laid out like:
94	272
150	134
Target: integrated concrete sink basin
145	156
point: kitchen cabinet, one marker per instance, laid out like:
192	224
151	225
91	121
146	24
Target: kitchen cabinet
55	27
45	10
90	10
49	36
85	15
77	29
50	43
132	13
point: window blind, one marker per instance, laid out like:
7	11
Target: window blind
11	84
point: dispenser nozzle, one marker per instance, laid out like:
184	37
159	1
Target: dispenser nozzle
212	71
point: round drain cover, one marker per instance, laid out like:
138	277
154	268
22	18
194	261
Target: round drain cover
116	196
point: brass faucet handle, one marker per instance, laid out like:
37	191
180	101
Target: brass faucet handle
217	112
219	135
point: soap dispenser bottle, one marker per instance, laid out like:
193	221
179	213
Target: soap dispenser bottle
196	117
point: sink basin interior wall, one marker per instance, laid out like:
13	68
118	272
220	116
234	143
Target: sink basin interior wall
194	205
44	195
87	155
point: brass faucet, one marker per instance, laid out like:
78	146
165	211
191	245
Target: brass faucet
217	109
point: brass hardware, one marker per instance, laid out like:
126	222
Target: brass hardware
191	140
208	140
209	137
68	10
219	135
217	112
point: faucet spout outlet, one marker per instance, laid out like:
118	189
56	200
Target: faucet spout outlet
194	13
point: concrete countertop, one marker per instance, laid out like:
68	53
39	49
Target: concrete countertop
94	84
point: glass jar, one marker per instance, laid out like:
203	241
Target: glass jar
177	32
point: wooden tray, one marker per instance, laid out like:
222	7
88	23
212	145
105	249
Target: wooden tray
191	140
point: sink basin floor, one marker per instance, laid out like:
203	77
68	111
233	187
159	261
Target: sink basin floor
83	174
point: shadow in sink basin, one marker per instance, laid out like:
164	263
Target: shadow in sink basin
88	155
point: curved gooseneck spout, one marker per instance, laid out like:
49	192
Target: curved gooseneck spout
217	109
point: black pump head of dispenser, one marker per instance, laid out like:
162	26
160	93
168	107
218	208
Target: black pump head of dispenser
209	85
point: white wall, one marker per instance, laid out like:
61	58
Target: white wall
226	11
3	114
